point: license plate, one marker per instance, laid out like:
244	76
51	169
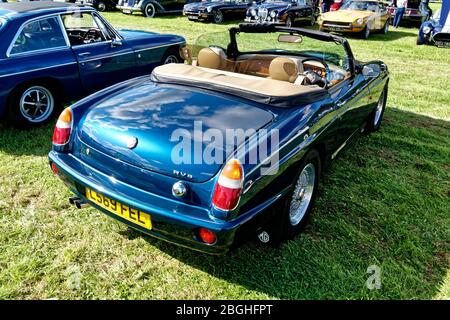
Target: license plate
135	216
442	44
334	28
193	17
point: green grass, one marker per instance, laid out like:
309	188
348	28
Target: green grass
384	201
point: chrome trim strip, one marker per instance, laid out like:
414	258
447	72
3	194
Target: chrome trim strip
61	23
161	46
38	69
124	53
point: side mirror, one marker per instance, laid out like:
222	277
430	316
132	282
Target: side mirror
371	70
290	38
116	43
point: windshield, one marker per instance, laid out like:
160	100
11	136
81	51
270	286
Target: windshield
333	54
437	15
360	5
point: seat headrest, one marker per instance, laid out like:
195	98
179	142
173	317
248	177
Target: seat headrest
212	58
283	69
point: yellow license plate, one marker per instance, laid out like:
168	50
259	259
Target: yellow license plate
135	216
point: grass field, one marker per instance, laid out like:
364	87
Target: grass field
385	201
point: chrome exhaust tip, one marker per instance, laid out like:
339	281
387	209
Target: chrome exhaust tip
80	204
72	200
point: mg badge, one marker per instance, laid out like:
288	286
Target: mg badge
179	189
264	237
132	142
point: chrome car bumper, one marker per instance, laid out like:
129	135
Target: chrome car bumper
195	15
129	9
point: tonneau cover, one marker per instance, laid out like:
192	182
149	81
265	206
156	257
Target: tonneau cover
262	90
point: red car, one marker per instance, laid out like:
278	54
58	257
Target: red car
337	4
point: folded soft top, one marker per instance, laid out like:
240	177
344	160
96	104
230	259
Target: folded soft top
262	90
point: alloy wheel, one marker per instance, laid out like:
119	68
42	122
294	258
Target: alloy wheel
36	104
218	17
171	59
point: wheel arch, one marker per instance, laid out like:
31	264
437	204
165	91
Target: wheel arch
158	6
56	87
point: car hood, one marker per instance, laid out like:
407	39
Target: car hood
160	117
272	6
134	34
199	5
346	15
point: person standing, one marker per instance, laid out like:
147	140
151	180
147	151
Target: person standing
326	4
401	6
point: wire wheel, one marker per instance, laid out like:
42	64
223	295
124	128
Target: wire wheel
302	195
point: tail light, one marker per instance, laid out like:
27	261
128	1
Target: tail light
63	128
207	236
55	169
229	186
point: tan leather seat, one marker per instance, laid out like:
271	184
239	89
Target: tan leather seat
212	58
283	69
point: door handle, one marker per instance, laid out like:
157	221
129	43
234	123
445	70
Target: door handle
84	54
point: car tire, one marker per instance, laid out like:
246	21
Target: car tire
386	28
171	56
419	42
31	105
101	6
150	10
365	34
299	202
217	17
289	22
375	118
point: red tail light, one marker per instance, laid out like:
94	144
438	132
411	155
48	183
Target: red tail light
229	186
207	236
63	128
55	169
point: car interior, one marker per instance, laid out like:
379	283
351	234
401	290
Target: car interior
39	35
296	70
85	29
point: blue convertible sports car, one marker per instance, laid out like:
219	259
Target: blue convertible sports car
54	51
225	147
437	29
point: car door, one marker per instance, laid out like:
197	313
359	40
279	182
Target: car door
352	102
40	50
102	61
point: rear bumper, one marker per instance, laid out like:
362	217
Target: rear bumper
172	220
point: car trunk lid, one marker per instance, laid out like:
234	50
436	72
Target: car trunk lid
149	126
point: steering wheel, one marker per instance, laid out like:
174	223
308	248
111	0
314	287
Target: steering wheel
92	32
313	77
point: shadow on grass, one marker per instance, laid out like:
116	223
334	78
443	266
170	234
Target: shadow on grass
26	142
383	202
